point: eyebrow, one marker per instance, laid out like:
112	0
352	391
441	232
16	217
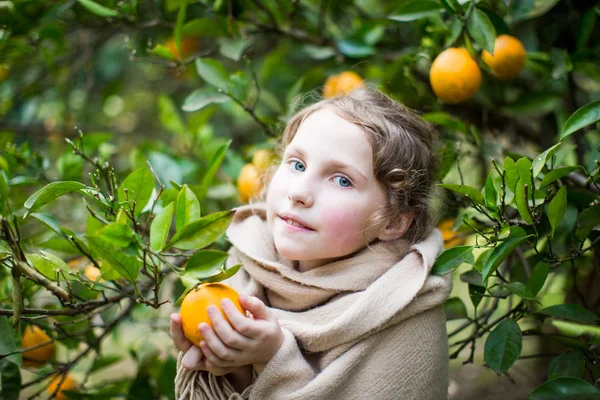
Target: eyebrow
333	163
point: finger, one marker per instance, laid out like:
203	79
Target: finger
228	335
216	345
257	308
240	323
212	359
179	339
193	359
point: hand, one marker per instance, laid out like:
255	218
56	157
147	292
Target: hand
193	358
241	340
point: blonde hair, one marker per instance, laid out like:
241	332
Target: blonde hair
404	161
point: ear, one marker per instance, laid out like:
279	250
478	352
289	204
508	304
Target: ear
396	229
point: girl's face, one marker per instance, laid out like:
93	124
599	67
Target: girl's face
323	192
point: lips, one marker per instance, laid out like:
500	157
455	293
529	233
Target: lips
295	221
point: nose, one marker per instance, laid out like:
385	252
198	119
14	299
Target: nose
300	193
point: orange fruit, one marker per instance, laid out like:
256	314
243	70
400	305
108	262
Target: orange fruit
341	84
92	273
33	336
4	70
454	75
262	159
451	238
249	182
508	59
193	309
77	263
188	47
67	384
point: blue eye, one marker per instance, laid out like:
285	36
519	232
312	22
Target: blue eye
297	165
343	181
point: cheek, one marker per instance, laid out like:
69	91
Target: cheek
343	225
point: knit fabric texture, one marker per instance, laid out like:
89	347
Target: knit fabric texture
368	326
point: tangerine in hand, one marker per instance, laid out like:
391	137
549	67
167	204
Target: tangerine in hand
195	304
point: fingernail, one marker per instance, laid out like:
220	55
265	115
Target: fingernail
212	310
225	303
244	297
203	326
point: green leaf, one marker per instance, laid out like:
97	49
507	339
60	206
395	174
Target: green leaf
49	221
511	175
159	230
476	293
556	208
224	275
447	154
556	174
472	277
455	309
452	258
565	389
482	30
50	192
118	234
571	364
124	261
209	26
3	187
588	219
179	25
188	208
415	10
162	51
205	264
354	48
10	380
538	277
105	361
202	232
534	105
446	120
520	289
232	48
49	265
522	200
502	250
572	312
468	191
540	161
8	343
139	185
201	98
491	195
584	116
169	116
213	72
99	9
213	168
452	6
503	346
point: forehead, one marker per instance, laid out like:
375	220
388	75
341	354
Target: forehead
327	136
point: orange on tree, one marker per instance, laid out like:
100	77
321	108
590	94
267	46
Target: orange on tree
451	238
508	59
249	182
193	309
262	159
67	383
454	75
33	336
341	84
188	47
92	273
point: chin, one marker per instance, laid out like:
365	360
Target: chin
292	254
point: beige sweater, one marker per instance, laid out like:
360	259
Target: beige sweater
370	326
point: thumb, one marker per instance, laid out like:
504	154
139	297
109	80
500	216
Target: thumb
257	308
192	358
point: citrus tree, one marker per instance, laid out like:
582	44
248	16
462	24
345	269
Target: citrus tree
130	130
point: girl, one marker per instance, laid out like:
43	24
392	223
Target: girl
336	266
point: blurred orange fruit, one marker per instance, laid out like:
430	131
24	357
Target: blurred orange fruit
194	307
262	159
508	59
67	384
454	76
188	47
4	70
92	273
451	238
33	336
341	84
249	182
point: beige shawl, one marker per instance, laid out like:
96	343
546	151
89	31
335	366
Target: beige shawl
370	326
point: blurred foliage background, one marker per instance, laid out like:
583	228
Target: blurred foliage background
103	93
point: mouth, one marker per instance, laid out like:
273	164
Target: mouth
294	222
